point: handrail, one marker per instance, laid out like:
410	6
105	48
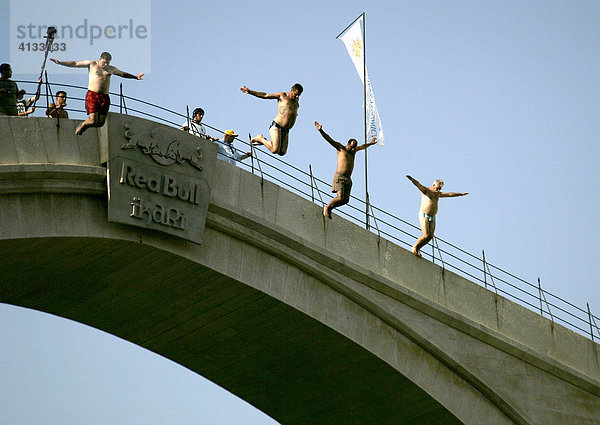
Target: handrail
397	230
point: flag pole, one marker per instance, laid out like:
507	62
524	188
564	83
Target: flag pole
365	118
364	78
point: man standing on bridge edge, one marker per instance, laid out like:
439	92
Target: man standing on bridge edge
429	208
97	101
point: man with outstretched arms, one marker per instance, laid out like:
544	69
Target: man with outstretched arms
97	101
342	184
287	111
429	208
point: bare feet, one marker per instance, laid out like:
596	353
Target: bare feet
257	140
326	212
414	251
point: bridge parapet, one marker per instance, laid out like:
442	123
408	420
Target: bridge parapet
435	328
362	255
37	140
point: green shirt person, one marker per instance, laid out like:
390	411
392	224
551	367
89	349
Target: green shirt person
8	92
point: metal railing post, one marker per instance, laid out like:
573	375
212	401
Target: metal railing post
367	226
187	116
254	153
591	318
251	151
312	190
540	295
313	180
439	252
487	271
375	220
484	271
123	105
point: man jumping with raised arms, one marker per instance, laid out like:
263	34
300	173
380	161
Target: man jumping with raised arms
429	208
97	101
342	184
287	111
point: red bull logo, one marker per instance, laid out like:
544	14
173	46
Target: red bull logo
164	148
159	183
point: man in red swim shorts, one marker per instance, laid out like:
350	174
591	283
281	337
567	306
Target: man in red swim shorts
97	101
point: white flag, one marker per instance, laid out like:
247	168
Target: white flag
374	128
353	40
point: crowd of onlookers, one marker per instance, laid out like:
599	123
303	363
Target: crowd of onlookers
14	103
225	149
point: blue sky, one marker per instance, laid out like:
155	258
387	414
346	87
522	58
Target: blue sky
500	99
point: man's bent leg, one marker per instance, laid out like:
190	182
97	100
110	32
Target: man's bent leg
100	120
91	121
96	119
283	146
341	199
273	144
332	204
427	227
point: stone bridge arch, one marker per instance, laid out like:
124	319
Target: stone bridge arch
309	321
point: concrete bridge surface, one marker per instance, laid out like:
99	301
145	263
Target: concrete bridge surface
312	321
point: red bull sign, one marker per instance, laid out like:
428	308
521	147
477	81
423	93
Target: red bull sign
159	177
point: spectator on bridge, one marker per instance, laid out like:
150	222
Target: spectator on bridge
195	126
226	151
428	210
24	106
57	110
97	101
342	184
8	92
287	111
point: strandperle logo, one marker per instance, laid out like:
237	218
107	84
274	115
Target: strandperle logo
123	28
85	31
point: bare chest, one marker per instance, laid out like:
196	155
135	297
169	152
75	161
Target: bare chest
287	106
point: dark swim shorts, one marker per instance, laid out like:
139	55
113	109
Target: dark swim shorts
97	102
282	130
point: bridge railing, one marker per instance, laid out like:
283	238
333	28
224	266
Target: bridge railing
304	183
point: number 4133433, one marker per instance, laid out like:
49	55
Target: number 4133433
34	47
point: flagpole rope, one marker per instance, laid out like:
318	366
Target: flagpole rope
345	29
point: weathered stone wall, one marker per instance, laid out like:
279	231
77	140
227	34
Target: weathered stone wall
485	359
